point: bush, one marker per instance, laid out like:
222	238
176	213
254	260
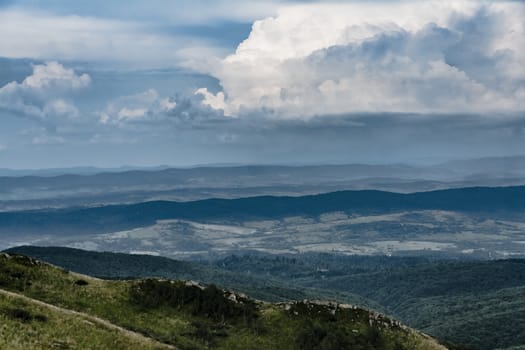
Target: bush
211	301
23	315
19	314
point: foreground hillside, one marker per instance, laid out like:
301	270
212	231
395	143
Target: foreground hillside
40	304
476	303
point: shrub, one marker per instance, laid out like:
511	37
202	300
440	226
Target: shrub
211	301
19	314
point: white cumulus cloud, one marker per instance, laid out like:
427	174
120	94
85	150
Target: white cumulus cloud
45	94
421	57
54	74
215	101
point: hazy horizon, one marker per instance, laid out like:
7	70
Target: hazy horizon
125	167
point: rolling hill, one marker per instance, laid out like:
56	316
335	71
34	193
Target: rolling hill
40	303
503	200
119	266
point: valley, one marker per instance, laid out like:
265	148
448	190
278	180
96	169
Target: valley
429	232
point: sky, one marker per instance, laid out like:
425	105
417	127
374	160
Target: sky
180	83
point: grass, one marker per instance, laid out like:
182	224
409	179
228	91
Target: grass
24	325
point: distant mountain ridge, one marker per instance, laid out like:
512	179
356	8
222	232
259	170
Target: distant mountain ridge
34	189
201	175
506	200
81	171
473	165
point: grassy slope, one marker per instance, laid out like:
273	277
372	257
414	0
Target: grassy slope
479	303
28	325
273	327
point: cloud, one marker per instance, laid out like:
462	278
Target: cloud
156	34
52	75
149	108
215	101
401	57
45	94
73	37
142	107
182	12
167	104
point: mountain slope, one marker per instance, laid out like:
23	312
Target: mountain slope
191	316
109	265
476	303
